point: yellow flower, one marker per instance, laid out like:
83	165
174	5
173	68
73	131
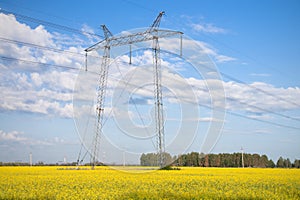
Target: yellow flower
187	183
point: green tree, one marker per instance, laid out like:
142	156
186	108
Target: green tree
256	160
271	164
214	160
297	163
287	163
201	159
206	160
280	163
263	161
182	161
151	159
168	158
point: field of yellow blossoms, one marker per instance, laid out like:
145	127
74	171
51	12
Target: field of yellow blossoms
139	183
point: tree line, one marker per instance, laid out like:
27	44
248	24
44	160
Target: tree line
219	160
40	163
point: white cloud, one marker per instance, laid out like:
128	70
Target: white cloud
223	58
272	98
246	132
199	25
210	51
240	97
34	88
12	136
260	74
202	27
21	138
206	50
90	34
36	79
207	28
199	119
49	91
12	29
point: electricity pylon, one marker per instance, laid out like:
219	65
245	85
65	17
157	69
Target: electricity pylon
153	33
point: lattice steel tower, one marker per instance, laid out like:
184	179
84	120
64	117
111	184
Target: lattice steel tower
153	33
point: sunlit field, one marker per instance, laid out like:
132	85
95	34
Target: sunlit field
140	183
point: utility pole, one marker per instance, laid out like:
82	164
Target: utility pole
153	33
242	156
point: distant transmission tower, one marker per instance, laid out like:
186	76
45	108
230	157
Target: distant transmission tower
30	159
153	33
242	156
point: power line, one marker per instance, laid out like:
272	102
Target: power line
223	74
234	113
264	121
263	109
36	63
237	114
51	24
84	33
255	107
225	45
76	53
39	46
17	5
258	89
127	83
143	7
67	67
45	48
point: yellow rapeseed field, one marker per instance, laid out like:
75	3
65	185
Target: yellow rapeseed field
187	183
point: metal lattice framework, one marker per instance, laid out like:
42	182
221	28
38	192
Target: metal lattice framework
152	34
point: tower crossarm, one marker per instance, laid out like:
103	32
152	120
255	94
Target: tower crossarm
107	33
156	23
133	38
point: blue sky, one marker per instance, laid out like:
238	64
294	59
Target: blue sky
254	45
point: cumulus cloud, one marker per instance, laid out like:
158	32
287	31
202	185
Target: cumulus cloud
49	91
12	29
190	45
247	98
30	87
90	33
257	98
20	138
12	136
262	95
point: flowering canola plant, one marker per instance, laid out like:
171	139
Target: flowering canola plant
140	183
